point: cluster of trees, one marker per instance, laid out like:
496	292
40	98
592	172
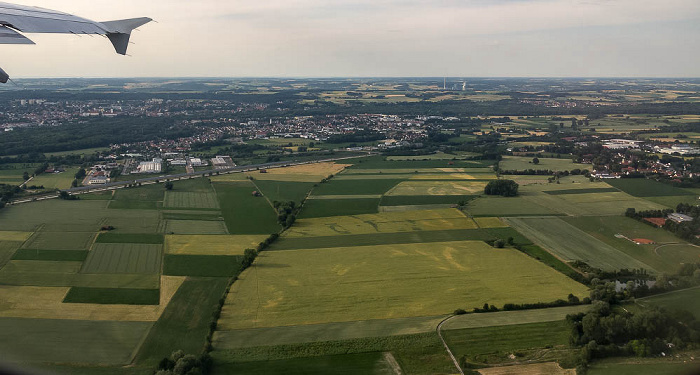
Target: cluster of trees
505	188
685	230
605	332
91	134
286	212
180	363
356	137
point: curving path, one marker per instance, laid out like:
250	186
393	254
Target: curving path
444	343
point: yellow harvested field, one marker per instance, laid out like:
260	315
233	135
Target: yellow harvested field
14	236
490	222
47	303
211	244
549	368
315	286
454	176
438	188
385	222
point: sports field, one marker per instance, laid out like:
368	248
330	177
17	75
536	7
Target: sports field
342	284
438	188
386	222
211	244
570	243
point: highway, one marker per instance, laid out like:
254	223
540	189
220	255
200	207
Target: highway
177	177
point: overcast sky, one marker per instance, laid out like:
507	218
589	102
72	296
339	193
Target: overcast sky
320	38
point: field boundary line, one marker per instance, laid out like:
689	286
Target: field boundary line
447	347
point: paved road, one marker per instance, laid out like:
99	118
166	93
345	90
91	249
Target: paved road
177	177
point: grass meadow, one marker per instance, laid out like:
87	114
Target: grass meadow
244	213
571	243
70	341
517	163
123	258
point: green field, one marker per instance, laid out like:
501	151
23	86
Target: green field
416	354
413	200
51	255
338	284
194	200
322	208
60	241
373	239
500	206
605	229
355	187
351	364
61	180
201	265
123	258
113	296
185	322
195	227
642	187
517	163
680	300
148	197
385	222
145	238
570	243
506	318
490	345
243	213
70	341
249	338
381	164
284	191
438	188
7	250
644	368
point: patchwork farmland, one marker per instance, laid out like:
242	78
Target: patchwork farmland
382	251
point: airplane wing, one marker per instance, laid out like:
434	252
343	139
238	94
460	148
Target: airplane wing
9	36
26	19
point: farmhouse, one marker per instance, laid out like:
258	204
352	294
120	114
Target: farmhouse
679	218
